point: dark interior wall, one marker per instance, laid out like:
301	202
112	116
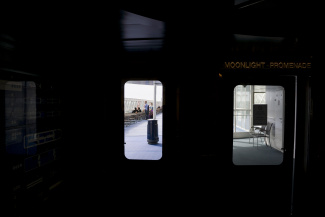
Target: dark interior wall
79	47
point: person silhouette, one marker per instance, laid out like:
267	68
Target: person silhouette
146	109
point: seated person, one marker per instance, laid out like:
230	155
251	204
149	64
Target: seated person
139	110
135	110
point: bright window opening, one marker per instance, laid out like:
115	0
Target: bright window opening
258	125
143	120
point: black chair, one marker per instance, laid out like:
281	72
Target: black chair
263	131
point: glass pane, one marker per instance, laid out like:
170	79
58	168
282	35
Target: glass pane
259	98
143	113
247	120
242	120
242	97
264	147
259	88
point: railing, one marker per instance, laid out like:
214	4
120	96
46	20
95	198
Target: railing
130	104
132	118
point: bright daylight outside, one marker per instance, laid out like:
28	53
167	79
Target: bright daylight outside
143	110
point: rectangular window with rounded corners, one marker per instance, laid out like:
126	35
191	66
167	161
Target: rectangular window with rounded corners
143	122
258	125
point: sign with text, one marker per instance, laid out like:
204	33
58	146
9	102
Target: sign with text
260	114
266	65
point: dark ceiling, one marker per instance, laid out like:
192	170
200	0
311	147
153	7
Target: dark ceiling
257	17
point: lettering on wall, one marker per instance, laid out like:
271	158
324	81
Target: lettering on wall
267	65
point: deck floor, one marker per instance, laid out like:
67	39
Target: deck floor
244	152
136	145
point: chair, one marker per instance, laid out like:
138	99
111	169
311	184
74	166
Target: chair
263	131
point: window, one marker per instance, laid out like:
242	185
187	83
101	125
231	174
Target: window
143	120
261	143
259	94
242	110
